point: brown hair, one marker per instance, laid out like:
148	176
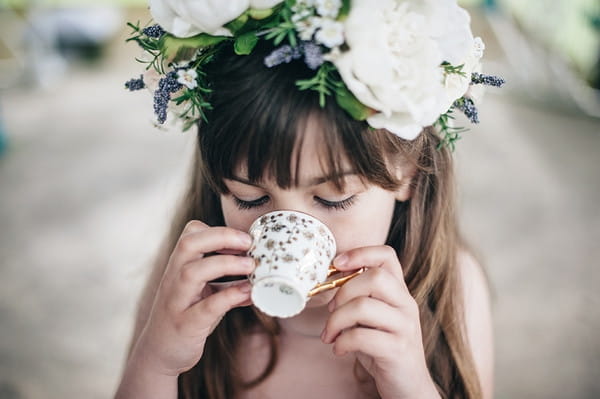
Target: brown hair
257	117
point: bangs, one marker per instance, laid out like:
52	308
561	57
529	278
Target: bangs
257	123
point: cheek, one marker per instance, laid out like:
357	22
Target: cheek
367	227
364	234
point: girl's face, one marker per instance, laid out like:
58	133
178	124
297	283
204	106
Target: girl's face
359	215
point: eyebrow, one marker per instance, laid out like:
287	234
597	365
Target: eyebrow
313	182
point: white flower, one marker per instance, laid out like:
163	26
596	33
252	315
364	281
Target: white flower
478	47
476	92
393	65
458	85
328	8
307	27
185	18
334	54
261	4
185	63
300	16
188	78
330	33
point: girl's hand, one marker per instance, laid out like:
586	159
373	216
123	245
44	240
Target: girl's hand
185	312
375	317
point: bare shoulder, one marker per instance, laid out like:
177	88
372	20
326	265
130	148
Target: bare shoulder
478	319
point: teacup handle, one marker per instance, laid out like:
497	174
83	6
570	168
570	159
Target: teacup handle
328	285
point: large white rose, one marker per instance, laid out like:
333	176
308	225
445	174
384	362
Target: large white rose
185	18
393	63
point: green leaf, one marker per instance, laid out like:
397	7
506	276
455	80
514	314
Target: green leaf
347	101
260	14
245	44
279	38
173	47
449	135
292	39
344	10
238	23
136	27
324	82
452	69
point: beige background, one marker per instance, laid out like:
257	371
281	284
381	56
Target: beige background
88	185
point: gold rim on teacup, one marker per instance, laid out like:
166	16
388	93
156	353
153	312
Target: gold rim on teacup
336	283
223	283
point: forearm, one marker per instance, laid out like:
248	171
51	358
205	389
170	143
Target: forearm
139	381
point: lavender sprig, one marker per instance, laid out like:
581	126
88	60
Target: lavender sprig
467	106
488	80
313	55
162	96
282	55
135	84
154	31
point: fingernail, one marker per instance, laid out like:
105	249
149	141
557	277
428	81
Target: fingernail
340	260
323	335
338	352
331	305
245	288
248	262
245	239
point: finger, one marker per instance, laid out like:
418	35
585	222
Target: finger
193	276
193	226
195	244
374	343
376	283
210	310
382	256
363	312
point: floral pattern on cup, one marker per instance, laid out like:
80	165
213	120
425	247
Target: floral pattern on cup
292	252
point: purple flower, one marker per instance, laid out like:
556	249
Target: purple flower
313	56
488	80
467	106
135	84
284	54
154	31
162	95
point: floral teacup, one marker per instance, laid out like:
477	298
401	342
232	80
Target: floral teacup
293	253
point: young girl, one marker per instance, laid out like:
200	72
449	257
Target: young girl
415	324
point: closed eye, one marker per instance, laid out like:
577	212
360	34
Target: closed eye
243	204
330	205
336	205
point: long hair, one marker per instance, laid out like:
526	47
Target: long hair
257	118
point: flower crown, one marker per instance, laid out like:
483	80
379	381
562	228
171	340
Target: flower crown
401	65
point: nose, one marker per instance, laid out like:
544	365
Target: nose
298	209
291	202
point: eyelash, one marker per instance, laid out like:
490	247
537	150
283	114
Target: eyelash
332	205
337	205
245	205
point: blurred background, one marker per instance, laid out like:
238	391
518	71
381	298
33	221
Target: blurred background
88	185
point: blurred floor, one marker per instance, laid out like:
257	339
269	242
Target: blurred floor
88	185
